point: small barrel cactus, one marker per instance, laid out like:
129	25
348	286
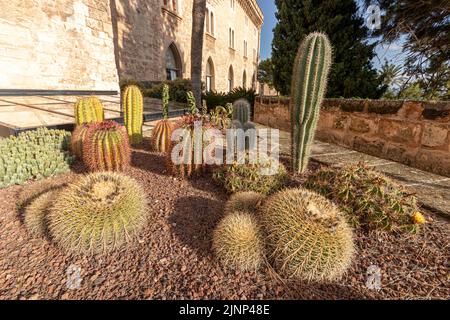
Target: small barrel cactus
97	213
106	147
244	201
237	241
77	140
370	199
162	132
307	237
133	107
89	109
309	82
35	215
241	110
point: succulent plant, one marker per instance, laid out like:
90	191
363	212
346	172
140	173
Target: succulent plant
237	242
34	155
77	140
244	201
162	132
369	198
307	237
36	213
241	110
220	117
192	163
133	106
97	213
106	147
250	177
192	104
309	82
89	109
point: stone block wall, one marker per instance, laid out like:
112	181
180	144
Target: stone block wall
59	44
410	132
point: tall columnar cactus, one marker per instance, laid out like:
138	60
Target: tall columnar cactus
106	147
192	104
309	82
163	130
241	110
89	109
133	106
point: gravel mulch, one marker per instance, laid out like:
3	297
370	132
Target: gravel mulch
172	259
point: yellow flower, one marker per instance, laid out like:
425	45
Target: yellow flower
418	218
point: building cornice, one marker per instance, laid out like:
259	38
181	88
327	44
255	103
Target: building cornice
251	7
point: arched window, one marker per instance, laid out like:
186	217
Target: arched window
173	63
209	75
230	79
244	80
207	21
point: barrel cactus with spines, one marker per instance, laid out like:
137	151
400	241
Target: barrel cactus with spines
77	140
309	82
241	110
133	106
89	109
106	147
162	132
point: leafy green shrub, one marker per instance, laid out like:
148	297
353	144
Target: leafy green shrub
177	90
307	237
369	198
34	155
237	241
249	177
97	213
244	201
214	99
384	107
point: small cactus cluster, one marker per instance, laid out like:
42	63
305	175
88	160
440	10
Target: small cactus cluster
370	199
306	236
251	177
88	109
161	134
133	106
309	82
34	155
96	213
238	243
106	147
192	163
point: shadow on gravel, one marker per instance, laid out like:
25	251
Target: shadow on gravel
194	220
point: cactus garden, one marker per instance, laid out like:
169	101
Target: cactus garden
146	215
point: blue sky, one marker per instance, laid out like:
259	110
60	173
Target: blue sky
392	52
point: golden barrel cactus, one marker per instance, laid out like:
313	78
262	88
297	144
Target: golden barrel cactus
89	109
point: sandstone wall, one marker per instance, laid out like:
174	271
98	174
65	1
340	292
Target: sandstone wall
413	133
57	44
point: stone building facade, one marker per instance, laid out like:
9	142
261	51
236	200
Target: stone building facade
91	44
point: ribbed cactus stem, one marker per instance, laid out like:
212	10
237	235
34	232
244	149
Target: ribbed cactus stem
133	106
241	110
165	100
88	109
309	82
192	105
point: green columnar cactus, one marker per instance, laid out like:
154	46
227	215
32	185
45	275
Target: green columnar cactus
192	104
133	106
106	147
241	110
34	155
89	109
309	82
165	101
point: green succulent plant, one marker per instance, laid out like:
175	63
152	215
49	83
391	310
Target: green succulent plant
307	237
244	201
34	155
98	213
241	110
369	199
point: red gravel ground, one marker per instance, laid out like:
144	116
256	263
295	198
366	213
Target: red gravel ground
172	259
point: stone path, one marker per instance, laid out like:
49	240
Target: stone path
432	190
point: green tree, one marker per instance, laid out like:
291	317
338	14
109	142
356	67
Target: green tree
265	72
352	73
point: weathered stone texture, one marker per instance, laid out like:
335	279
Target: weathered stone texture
60	44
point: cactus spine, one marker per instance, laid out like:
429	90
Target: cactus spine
163	130
241	110
309	82
106	147
133	106
89	109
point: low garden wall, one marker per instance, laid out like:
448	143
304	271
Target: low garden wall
415	133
